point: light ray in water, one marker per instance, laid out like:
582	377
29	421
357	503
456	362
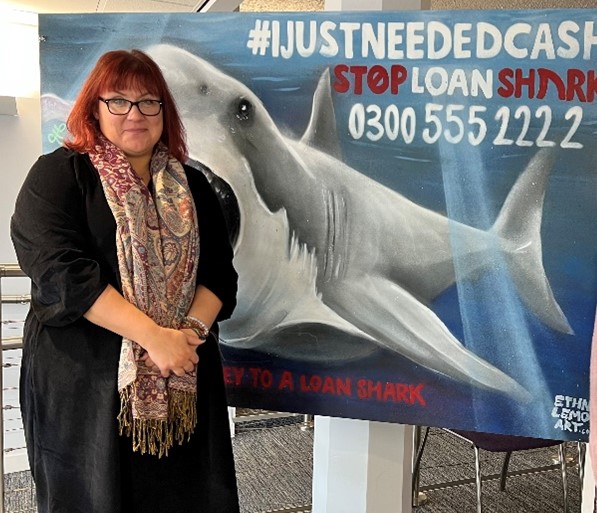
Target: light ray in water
493	317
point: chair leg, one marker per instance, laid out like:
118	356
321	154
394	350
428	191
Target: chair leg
504	473
582	457
562	454
478	478
417	468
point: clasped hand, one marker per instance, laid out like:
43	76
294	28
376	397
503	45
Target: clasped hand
173	351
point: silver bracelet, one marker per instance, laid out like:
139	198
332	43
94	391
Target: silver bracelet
197	333
197	325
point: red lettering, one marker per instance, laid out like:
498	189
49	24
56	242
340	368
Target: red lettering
358	72
362	389
254	376
504	76
537	83
341	84
377	78
415	394
576	79
325	385
546	77
239	372
402	393
591	85
396	392
522	81
313	384
389	392
328	386
303	383
515	88
228	375
261	377
344	386
286	381
399	74
266	379
374	389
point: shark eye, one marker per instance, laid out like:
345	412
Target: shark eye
204	89
244	109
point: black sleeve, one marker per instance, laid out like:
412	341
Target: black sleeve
48	234
216	270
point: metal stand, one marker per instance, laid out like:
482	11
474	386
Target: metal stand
361	466
308	423
582	459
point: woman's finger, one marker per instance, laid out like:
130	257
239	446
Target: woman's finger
179	371
194	340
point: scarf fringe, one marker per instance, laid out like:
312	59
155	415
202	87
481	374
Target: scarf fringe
156	436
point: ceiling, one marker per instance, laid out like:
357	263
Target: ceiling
76	6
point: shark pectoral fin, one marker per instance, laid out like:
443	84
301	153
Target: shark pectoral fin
519	229
321	133
401	323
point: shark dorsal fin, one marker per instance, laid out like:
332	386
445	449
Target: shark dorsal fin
321	132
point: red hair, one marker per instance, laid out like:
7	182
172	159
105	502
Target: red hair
118	70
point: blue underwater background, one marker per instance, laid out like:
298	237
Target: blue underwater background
465	182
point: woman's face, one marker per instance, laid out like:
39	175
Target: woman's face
133	133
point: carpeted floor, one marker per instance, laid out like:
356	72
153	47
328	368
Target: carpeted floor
448	459
274	468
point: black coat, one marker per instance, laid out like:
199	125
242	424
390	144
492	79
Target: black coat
64	235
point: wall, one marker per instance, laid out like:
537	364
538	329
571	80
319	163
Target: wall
20	145
20	136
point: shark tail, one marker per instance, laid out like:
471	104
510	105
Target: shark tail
519	229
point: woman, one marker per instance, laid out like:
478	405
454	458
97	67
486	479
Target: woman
122	391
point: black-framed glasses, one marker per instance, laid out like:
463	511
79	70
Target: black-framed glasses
121	107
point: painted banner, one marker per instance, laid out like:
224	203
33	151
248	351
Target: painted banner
412	197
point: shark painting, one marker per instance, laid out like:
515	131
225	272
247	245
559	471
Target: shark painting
322	246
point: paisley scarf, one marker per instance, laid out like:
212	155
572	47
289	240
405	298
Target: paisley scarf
157	241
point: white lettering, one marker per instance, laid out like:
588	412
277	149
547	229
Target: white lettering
395	39
436	29
543	43
374	39
572	47
460	40
488	49
329	47
434	40
415	38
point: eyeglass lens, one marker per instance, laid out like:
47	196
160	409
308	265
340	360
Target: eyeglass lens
120	106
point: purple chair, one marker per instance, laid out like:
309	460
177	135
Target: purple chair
502	443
